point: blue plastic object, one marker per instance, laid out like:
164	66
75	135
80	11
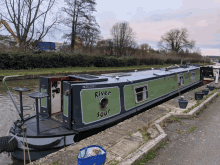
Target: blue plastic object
46	45
93	160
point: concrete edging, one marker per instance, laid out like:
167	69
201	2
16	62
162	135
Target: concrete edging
142	151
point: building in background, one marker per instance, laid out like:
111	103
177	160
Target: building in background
214	58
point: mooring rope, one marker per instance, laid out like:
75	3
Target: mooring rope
8	144
24	135
28	149
24	151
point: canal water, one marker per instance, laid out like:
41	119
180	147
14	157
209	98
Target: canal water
8	112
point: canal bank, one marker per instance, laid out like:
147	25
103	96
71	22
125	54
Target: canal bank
36	73
128	141
58	71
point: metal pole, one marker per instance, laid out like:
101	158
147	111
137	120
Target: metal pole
21	104
37	117
3	81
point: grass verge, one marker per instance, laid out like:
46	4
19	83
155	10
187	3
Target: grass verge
40	71
144	133
191	129
150	155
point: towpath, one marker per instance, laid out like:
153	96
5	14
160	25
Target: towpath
193	142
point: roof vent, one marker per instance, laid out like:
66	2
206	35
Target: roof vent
117	77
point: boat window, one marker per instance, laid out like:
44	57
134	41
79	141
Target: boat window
181	80
141	93
193	79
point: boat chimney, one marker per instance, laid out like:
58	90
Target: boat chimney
117	77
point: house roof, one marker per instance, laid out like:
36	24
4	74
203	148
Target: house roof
214	56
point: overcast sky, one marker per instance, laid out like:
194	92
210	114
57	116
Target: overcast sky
151	19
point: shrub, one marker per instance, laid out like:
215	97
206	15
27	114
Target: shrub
100	61
26	60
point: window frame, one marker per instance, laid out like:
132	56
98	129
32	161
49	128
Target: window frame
193	78
146	90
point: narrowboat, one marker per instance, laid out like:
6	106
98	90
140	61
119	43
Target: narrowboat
72	104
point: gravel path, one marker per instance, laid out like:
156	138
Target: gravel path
193	142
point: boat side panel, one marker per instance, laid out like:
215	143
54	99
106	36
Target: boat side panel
80	124
90	105
156	88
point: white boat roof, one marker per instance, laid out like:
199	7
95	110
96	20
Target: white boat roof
139	75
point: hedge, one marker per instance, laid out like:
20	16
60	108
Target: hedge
15	61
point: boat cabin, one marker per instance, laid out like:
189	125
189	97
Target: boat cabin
82	102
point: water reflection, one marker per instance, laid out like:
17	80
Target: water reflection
8	112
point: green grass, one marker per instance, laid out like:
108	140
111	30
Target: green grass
40	71
191	129
170	120
144	133
150	155
178	131
163	115
114	162
56	163
162	145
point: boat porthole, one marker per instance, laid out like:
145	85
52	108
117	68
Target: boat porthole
103	103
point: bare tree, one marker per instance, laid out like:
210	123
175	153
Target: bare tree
30	18
80	13
145	48
90	34
105	46
123	37
176	40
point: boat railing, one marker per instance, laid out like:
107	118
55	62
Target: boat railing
8	91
